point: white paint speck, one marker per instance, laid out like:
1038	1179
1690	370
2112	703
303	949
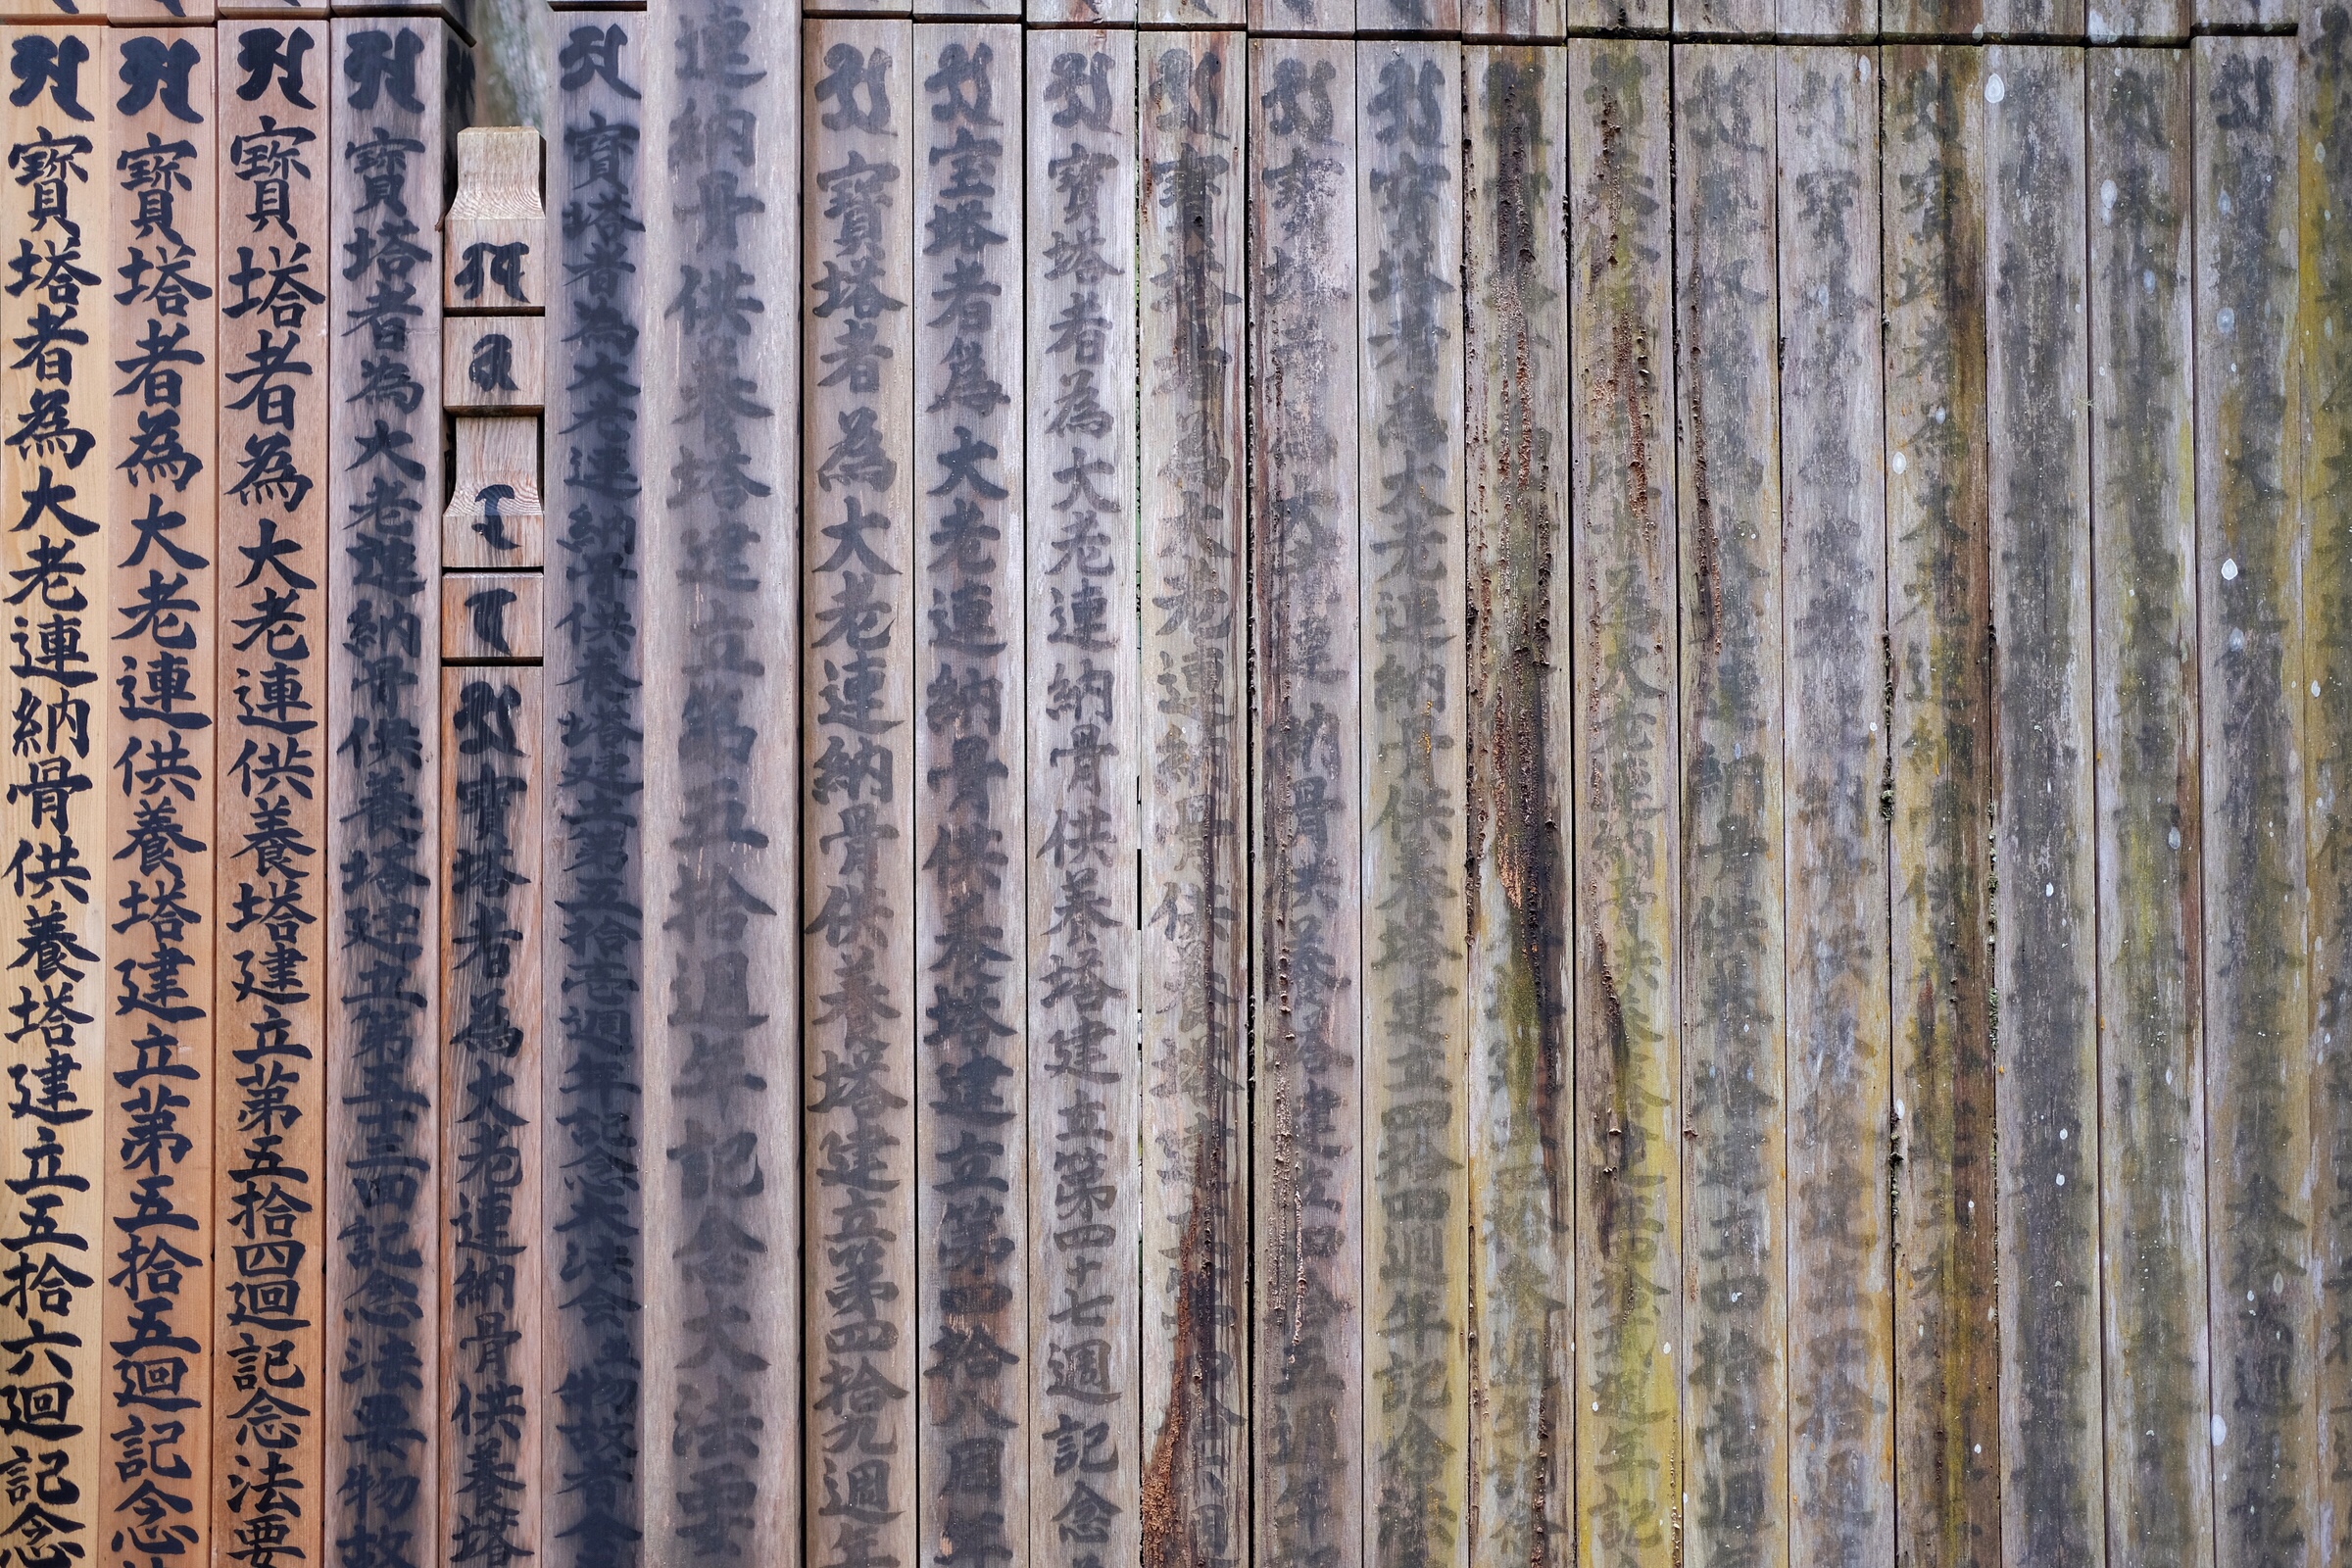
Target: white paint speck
2062	1135
2226	321
2249	1296
2221	1432
2147	281
2230	570
2107	200
1898	1107
2099	27
2315	688
2171	836
1665	1349
1978	1447
2062	1178
2049	890
2168	1075
1939	412
1901	463
2225	203
1996	89
1862	67
1597	1405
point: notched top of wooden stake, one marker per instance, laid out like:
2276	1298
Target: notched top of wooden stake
498	172
497	223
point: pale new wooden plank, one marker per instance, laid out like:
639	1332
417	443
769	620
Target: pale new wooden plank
270	750
52	903
1195	1488
606	153
1939	797
157	677
1307	1218
1735	1164
2260	1173
495	245
159	12
861	1013
971	1067
1409	574
1522	1184
1840	1098
496	518
381	1425
1083	849
2144	591
1628	1124
492	1390
77	14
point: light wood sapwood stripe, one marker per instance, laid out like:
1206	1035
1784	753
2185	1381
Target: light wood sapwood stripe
1309	1216
971	1123
1735	1163
1939	791
2045	914
1840	1109
1195	1496
1409	574
153	652
57	550
1631	1349
493	1394
1083	850
382	1432
2261	1176
723	1367
1522	1185
605	155
2324	322
270	827
2144	594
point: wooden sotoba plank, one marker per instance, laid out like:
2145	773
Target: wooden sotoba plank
1409	559
1734	1290
496	618
1112	14
1327	18
157	678
382	1430
269	748
2243	13
2033	19
1200	14
971	1121
2151	19
1195	1495
2260	1173
154	13
1307	1218
1938	794
1513	18
2043	831
1930	19
1521	1181
493	1388
1840	1098
2143	592
58	552
2323	478
1630	1347
1086	1312
1828	18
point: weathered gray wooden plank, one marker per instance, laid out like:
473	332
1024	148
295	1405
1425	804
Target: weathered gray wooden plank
1735	1289
1407	244
2260	1181
1938	791
1512	19
1628	845
1522	1182
2143	590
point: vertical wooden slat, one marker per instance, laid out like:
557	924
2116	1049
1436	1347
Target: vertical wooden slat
972	1145
1846	19
1090	13
719	1431
1190	14
1513	18
1410	583
1083	852
1196	1498
2258	1081
2144	594
1735	1289
270	1101
60	1164
2149	19
1628	936
1840	1109
1521	1181
1939	797
2243	14
602	149
1307	1218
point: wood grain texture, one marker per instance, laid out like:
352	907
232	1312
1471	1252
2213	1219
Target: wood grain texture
159	12
1330	18
1615	16
1202	14
2258	1066
971	1124
492	1389
269	1001
495	245
383	1430
60	13
1513	18
2149	19
1840	1095
1196	1500
606	155
59	1162
1628	843
1735	1161
1110	13
2234	14
1940	794
1308	1219
496	618
1846	19
162	596
1084	850
1522	1183
493	364
2143	592
1409	576
497	515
